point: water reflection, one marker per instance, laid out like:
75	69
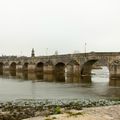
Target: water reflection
49	77
36	85
96	78
13	73
112	92
24	75
59	77
85	79
114	82
72	79
1	72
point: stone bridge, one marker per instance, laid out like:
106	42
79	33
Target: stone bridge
70	64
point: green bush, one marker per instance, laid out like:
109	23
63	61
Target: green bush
57	110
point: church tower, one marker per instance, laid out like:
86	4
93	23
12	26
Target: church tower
33	53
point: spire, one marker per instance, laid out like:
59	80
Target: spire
33	53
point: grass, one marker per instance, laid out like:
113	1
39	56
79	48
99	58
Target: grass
74	114
57	110
53	118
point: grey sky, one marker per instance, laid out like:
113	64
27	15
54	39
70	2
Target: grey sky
63	25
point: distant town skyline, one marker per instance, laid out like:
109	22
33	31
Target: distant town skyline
64	26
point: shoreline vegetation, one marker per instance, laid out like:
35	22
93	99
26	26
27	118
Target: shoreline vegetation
28	108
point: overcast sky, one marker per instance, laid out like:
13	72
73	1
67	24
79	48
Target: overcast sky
63	25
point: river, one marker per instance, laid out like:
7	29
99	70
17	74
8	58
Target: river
15	86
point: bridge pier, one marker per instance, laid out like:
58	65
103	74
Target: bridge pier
69	69
31	68
49	77
48	68
76	70
73	70
115	69
6	67
19	68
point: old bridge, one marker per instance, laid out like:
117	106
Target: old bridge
71	64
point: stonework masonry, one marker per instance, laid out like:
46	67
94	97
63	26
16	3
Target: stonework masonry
73	64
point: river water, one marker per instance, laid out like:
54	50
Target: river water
31	86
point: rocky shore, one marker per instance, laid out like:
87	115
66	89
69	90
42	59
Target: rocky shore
23	109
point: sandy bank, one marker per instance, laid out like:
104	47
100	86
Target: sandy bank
95	113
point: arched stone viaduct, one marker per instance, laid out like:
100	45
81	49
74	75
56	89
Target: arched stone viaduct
71	64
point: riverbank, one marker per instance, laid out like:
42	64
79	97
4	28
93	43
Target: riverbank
95	113
23	109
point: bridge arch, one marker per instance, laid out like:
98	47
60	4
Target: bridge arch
60	68
13	66
1	66
39	67
87	67
25	66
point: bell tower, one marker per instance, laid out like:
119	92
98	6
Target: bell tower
33	53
